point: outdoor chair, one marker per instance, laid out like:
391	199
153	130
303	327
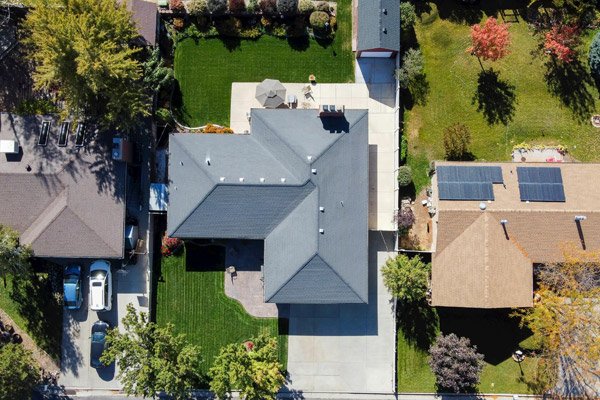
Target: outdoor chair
307	90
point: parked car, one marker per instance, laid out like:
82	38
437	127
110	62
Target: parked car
73	294
100	286
99	330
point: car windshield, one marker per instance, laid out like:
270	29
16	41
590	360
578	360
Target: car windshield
98	337
98	275
96	283
71	279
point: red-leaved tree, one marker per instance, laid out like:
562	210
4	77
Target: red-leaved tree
489	41
561	42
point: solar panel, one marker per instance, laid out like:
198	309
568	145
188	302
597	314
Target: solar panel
454	173
79	134
63	135
539	174
44	132
465	191
540	184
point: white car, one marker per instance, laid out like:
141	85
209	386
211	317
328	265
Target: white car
100	286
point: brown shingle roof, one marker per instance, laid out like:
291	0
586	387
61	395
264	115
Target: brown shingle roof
72	201
479	264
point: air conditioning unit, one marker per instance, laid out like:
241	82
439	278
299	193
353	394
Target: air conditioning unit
9	147
122	150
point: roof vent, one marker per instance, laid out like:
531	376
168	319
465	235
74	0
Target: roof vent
482	206
314	171
262	180
282	180
504	221
222	179
207	160
384	30
321	231
322	209
309	158
384	11
579	218
241	179
181	163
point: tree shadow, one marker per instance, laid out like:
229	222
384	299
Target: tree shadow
570	83
495	98
299	43
419	89
471	12
36	302
419	323
467	156
231	43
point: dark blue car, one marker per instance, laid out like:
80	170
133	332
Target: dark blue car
73	294
99	330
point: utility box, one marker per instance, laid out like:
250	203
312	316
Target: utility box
122	150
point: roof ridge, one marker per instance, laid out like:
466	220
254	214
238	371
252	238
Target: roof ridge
91	229
340	137
48	215
193	158
285	167
515	243
461	233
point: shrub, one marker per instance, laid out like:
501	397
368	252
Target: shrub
413	66
594	59
268	6
562	41
404	219
322	6
266	22
279	30
217	7
252	6
211	128
287	7
306	6
170	246
457	139
162	116
455	363
251	33
197	7
176	5
403	149
408	16
333	22
490	41
404	176
319	19
406	278
178	23
229	26
237	6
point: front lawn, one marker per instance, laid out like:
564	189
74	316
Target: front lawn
195	302
495	334
32	305
538	104
205	69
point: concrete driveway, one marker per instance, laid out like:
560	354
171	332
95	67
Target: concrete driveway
346	348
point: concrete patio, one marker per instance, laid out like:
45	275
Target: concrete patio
378	98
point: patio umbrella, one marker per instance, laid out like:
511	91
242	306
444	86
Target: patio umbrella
270	93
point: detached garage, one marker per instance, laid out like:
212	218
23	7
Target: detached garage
378	28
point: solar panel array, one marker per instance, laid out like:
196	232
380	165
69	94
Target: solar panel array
467	183
541	184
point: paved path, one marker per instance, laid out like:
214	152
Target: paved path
346	348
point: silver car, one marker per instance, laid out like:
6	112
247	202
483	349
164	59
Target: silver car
100	286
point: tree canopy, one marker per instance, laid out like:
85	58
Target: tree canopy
565	321
457	139
490	41
14	258
82	50
251	367
406	278
152	358
18	372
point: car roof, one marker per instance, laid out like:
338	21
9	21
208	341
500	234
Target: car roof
70	289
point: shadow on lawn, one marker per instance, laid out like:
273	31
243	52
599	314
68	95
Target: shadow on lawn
461	13
495	98
419	323
571	84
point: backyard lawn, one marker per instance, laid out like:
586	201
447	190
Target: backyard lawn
495	334
205	69
521	101
195	302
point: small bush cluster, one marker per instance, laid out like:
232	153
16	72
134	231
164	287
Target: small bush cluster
405	177
211	128
176	5
408	16
457	139
306	6
404	218
170	246
268	6
197	7
322	6
230	26
319	20
455	363
237	6
287	7
178	23
252	6
217	7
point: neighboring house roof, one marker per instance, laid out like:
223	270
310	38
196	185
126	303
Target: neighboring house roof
292	164
378	25
145	16
477	263
71	203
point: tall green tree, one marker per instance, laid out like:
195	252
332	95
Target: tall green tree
152	358
82	49
18	372
251	367
14	258
406	278
157	76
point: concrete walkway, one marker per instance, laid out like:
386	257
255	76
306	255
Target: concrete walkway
346	348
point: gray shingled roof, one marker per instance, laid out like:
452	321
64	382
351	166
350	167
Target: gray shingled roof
302	265
71	203
378	29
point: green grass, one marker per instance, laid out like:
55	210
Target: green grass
541	115
33	307
195	302
496	336
206	69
